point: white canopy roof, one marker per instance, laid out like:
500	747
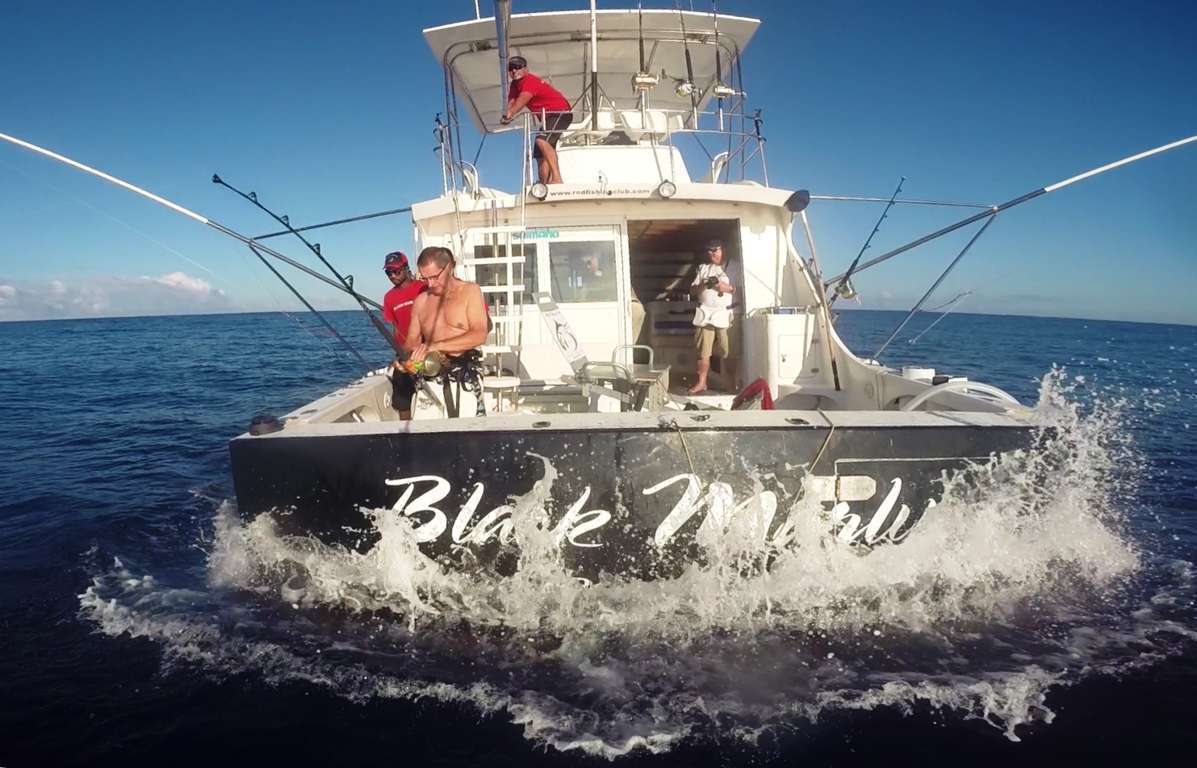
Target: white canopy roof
557	47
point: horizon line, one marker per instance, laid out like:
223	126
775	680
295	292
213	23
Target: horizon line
301	311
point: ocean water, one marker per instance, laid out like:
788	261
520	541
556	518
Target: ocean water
143	623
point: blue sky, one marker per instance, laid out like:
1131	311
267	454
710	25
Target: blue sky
326	111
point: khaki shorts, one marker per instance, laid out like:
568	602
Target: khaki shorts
709	339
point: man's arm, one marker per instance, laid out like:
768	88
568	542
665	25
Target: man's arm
476	320
725	282
515	105
414	332
698	284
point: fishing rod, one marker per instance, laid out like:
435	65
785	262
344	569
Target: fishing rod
642	81
640	35
687	88
843	287
315	248
184	211
931	290
947	304
994	210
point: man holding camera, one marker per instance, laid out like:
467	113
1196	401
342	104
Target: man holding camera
713	290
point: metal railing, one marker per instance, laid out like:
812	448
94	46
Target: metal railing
740	158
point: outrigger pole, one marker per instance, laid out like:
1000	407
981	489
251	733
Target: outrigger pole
994	210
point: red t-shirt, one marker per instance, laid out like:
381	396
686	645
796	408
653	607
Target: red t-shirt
544	96
397	305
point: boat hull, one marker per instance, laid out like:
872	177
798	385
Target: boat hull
633	494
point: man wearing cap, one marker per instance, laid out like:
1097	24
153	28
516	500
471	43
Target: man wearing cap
713	290
551	110
396	310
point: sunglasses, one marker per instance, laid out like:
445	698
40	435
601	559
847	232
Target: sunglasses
513	67
430	278
395	272
714	248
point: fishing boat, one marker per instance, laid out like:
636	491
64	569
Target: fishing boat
581	434
592	343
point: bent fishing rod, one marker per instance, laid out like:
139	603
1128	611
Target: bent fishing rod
186	212
315	248
996	209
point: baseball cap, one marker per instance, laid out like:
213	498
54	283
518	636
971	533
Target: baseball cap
714	242
395	260
516	62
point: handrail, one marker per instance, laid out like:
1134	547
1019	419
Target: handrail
958	386
658	129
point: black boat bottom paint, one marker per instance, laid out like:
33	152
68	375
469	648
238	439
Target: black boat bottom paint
635	502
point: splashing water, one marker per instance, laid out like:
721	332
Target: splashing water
1024	577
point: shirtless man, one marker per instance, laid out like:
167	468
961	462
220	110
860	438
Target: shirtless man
450	315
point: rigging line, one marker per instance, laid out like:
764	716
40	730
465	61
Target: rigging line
350	220
365	365
184	211
905	201
347	283
1022	199
479	152
941	317
117	220
931	290
950	301
852	268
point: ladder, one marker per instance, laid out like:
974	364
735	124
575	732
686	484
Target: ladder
499	264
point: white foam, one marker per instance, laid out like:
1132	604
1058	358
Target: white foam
962	615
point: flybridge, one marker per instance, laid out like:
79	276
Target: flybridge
650	92
558	47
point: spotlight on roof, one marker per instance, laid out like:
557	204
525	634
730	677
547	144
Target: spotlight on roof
539	190
722	91
797	202
684	88
667	189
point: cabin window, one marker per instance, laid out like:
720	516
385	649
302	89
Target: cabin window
583	271
496	274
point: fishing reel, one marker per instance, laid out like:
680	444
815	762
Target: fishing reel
429	367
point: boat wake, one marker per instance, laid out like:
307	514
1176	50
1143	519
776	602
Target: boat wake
1026	576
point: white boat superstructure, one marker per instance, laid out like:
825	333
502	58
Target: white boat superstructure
614	247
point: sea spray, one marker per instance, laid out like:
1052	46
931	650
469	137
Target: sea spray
1020	579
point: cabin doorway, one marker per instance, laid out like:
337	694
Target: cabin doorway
663	256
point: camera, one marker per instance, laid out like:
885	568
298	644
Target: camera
712	282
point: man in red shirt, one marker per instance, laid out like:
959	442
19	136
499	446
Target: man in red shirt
551	110
396	310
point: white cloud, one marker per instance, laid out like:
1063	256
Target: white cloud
175	293
184	282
